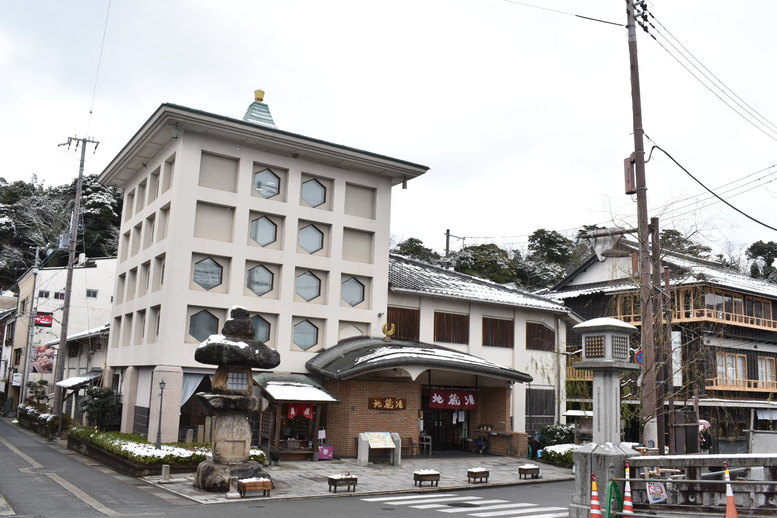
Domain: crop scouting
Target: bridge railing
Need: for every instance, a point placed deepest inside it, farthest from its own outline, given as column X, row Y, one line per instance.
column 694, row 483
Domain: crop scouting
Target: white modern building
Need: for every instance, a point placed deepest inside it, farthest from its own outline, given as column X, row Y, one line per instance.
column 220, row 212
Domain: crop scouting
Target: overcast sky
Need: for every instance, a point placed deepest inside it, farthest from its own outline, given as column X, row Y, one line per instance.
column 522, row 114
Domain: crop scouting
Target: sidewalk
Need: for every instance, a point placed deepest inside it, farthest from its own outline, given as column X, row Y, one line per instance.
column 302, row 479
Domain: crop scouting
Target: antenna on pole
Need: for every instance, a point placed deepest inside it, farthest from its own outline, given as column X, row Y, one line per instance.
column 59, row 392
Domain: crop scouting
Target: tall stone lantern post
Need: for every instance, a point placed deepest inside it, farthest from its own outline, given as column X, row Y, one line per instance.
column 606, row 352
column 235, row 352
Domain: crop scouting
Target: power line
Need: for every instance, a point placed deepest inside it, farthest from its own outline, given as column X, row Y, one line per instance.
column 747, row 113
column 711, row 191
column 557, row 11
column 725, row 87
column 99, row 63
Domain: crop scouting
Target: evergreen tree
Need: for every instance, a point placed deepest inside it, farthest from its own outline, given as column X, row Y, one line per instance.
column 414, row 248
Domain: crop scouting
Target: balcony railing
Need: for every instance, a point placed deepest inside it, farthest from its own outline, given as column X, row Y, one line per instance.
column 741, row 384
column 707, row 314
column 574, row 374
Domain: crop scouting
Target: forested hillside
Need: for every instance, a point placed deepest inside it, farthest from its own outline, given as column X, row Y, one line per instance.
column 35, row 215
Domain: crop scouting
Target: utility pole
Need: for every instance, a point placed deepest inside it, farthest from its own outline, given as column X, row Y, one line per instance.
column 648, row 400
column 59, row 392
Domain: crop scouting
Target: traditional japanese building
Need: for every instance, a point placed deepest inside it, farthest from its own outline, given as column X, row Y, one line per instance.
column 723, row 344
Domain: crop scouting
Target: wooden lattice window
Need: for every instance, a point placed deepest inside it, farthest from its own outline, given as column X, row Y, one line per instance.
column 451, row 328
column 498, row 332
column 407, row 322
column 540, row 337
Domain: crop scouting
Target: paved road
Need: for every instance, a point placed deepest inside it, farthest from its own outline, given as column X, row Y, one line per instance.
column 38, row 478
column 548, row 500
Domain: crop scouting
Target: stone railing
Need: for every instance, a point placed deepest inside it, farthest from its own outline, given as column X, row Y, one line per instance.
column 694, row 483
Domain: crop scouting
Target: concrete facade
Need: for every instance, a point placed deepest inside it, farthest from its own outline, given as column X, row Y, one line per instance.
column 197, row 209
column 41, row 291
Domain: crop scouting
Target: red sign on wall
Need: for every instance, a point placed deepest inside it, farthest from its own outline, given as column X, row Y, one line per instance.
column 44, row 319
column 453, row 399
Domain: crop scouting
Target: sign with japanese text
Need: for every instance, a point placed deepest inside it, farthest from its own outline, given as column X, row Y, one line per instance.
column 380, row 440
column 387, row 403
column 453, row 399
column 44, row 319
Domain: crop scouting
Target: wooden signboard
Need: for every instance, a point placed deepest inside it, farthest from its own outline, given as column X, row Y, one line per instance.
column 386, row 403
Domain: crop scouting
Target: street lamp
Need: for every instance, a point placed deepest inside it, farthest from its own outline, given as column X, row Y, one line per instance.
column 159, row 426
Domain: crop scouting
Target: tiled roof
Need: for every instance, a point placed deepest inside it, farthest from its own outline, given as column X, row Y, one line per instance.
column 350, row 358
column 686, row 271
column 411, row 276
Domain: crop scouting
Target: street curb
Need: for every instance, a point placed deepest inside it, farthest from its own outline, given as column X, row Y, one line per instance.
column 430, row 490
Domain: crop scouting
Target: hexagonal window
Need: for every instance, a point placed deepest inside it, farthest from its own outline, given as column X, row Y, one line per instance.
column 267, row 183
column 263, row 231
column 207, row 273
column 308, row 286
column 260, row 280
column 305, row 335
column 314, row 193
column 353, row 291
column 203, row 324
column 261, row 329
column 311, row 239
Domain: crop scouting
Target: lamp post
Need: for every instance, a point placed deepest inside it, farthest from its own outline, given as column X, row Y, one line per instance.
column 159, row 426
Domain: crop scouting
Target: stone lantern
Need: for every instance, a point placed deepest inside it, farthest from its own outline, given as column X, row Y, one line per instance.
column 235, row 352
column 606, row 352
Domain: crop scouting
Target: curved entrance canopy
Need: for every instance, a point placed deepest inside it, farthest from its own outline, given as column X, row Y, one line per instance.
column 365, row 355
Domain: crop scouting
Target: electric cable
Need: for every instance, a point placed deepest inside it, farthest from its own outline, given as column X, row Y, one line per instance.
column 711, row 191
column 99, row 63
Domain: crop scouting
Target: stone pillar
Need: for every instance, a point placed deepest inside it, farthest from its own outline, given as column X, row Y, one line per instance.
column 607, row 462
column 171, row 402
column 129, row 392
column 607, row 402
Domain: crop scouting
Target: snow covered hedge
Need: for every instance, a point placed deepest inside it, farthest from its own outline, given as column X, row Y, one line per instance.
column 35, row 417
column 136, row 448
column 560, row 454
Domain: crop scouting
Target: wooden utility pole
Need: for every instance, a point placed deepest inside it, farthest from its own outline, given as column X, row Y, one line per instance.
column 648, row 399
column 59, row 392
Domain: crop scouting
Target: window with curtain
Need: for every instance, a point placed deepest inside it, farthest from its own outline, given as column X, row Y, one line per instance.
column 732, row 368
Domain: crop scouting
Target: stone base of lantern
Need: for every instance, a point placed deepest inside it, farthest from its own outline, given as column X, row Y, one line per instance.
column 214, row 477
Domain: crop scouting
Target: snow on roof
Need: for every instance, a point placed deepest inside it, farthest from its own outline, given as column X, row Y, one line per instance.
column 389, row 352
column 604, row 322
column 686, row 271
column 89, row 333
column 408, row 275
column 79, row 380
column 286, row 391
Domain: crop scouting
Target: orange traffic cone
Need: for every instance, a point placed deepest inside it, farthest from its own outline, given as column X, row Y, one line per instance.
column 628, row 504
column 596, row 508
column 731, row 510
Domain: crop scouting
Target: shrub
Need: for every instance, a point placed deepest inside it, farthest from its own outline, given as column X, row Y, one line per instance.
column 102, row 407
column 556, row 434
column 559, row 454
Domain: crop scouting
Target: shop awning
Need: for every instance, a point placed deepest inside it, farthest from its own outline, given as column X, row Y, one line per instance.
column 363, row 355
column 293, row 387
column 76, row 382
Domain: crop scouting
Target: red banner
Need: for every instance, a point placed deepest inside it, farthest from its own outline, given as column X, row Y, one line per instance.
column 453, row 399
column 303, row 409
